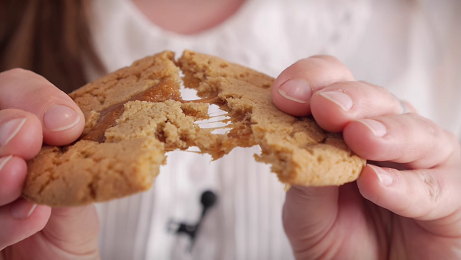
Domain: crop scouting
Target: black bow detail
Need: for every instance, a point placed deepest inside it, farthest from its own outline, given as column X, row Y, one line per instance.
column 208, row 200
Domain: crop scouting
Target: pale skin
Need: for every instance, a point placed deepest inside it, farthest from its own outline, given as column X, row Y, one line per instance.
column 407, row 210
column 38, row 111
column 405, row 205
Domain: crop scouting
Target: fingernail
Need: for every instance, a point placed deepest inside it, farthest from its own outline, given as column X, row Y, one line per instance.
column 384, row 176
column 296, row 90
column 339, row 98
column 376, row 127
column 4, row 160
column 59, row 118
column 22, row 209
column 9, row 130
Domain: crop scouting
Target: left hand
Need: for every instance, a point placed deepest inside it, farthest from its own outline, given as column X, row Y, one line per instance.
column 406, row 204
column 29, row 231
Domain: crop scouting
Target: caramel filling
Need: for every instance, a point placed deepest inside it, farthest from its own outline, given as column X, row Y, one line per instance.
column 165, row 90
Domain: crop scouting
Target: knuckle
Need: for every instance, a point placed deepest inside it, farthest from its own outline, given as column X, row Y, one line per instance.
column 384, row 91
column 378, row 88
column 432, row 186
column 350, row 87
column 375, row 90
column 428, row 126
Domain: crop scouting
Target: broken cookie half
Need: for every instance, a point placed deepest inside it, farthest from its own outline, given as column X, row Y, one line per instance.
column 136, row 114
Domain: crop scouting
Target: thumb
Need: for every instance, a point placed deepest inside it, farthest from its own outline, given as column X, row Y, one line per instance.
column 74, row 230
column 308, row 213
column 61, row 118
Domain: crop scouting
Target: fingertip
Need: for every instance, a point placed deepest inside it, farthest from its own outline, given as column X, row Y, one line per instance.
column 41, row 214
column 375, row 184
column 27, row 143
column 294, row 87
column 24, row 210
column 21, row 219
column 63, row 124
column 369, row 138
column 292, row 97
column 59, row 118
column 20, row 133
column 327, row 113
column 13, row 172
column 367, row 182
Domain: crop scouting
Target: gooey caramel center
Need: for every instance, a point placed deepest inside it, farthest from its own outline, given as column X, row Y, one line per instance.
column 165, row 90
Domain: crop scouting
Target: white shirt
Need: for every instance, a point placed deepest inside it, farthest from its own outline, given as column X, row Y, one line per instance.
column 409, row 47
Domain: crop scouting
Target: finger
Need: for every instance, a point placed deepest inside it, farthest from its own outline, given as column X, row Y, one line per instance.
column 409, row 138
column 21, row 219
column 294, row 87
column 20, row 133
column 61, row 118
column 339, row 103
column 12, row 176
column 425, row 195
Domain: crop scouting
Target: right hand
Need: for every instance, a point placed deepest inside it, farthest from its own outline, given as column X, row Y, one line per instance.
column 32, row 112
column 405, row 203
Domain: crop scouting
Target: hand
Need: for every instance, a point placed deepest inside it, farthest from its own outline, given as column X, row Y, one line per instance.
column 32, row 110
column 406, row 204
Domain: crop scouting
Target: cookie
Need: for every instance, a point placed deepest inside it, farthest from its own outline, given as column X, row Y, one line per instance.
column 137, row 114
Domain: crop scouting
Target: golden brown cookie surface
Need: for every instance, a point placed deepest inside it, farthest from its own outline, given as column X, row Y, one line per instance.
column 136, row 114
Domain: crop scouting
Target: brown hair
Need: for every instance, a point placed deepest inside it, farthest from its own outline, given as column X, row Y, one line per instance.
column 49, row 37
